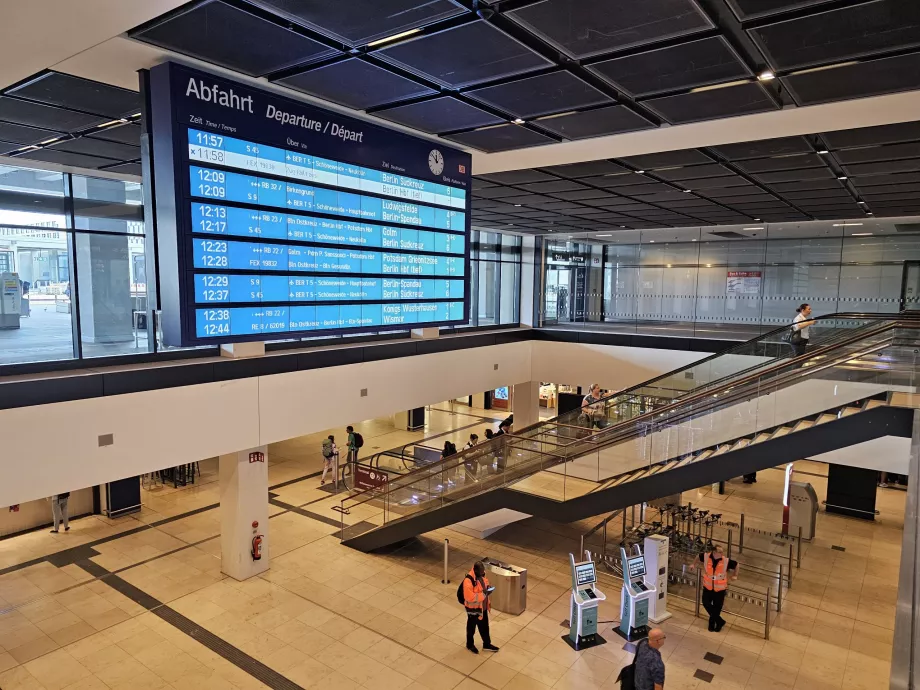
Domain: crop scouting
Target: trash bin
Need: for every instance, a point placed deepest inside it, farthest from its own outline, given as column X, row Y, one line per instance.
column 510, row 582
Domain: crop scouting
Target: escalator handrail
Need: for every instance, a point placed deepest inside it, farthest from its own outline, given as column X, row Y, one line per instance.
column 607, row 436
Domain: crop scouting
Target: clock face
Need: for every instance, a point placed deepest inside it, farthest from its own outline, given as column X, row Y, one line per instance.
column 436, row 162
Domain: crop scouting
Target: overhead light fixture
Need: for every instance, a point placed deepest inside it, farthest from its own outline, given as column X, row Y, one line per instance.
column 823, row 152
column 394, row 37
column 869, row 213
column 753, row 228
column 606, row 235
column 757, row 220
column 651, row 241
column 842, row 177
column 640, row 172
column 112, row 123
column 766, row 75
column 693, row 239
column 860, row 234
column 49, row 141
column 686, row 191
column 846, row 225
column 517, row 121
column 517, row 205
column 135, row 115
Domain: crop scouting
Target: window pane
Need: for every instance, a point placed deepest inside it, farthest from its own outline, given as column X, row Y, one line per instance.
column 510, row 293
column 488, row 277
column 108, row 205
column 35, row 316
column 112, row 296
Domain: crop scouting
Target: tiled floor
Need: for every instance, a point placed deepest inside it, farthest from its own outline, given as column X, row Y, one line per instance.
column 140, row 602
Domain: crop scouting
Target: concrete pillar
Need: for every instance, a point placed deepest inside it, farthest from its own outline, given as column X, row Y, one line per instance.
column 243, row 501
column 479, row 400
column 531, row 278
column 105, row 288
column 525, row 401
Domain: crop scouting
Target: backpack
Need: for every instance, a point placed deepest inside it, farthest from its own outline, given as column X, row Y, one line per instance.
column 359, row 440
column 327, row 448
column 460, row 596
column 627, row 677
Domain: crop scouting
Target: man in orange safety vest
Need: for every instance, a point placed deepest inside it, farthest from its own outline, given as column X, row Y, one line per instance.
column 476, row 592
column 715, row 583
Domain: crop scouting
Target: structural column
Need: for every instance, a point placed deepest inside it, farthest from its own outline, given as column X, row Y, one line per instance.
column 244, row 512
column 525, row 402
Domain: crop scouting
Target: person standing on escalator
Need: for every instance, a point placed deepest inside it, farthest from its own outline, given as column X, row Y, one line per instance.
column 801, row 325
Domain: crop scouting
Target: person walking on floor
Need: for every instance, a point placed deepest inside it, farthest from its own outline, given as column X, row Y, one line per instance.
column 330, row 459
column 59, row 511
column 715, row 583
column 355, row 441
column 476, row 601
column 649, row 669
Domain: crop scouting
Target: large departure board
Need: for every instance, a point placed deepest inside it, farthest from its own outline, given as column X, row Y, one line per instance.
column 280, row 219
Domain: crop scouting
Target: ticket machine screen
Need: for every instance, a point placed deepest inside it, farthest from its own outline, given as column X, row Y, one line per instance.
column 584, row 574
column 636, row 567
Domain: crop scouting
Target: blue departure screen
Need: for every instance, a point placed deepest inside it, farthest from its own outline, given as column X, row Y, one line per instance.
column 290, row 219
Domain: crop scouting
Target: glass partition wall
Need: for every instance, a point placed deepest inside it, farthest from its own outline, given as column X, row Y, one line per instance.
column 727, row 282
column 76, row 246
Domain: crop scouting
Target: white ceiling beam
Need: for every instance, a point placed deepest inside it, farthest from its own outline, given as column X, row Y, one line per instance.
column 864, row 112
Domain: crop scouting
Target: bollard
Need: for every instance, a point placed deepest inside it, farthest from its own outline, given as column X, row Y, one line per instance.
column 789, row 571
column 741, row 536
column 624, row 523
column 581, row 545
column 779, row 591
column 445, row 581
column 798, row 555
column 729, row 549
column 766, row 616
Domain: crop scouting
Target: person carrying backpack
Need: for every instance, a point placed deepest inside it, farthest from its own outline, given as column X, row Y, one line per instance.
column 646, row 672
column 355, row 441
column 473, row 593
column 330, row 458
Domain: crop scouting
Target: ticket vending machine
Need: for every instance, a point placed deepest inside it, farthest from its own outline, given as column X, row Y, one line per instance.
column 802, row 510
column 10, row 301
column 585, row 600
column 635, row 596
column 656, row 565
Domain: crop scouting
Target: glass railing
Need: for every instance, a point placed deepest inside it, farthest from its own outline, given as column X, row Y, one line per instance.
column 751, row 387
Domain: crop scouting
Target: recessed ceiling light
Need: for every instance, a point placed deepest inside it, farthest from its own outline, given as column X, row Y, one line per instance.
column 823, row 152
column 605, row 235
column 49, row 141
column 693, row 240
column 846, row 225
column 640, row 172
column 766, row 75
column 753, row 228
column 517, row 121
column 686, row 191
column 842, row 177
column 394, row 37
column 869, row 213
column 518, row 205
column 860, row 234
column 651, row 241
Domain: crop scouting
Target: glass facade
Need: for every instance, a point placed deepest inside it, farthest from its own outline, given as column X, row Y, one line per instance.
column 695, row 282
column 76, row 244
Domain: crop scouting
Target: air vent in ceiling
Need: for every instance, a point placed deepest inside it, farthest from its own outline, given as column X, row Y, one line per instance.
column 907, row 227
column 729, row 235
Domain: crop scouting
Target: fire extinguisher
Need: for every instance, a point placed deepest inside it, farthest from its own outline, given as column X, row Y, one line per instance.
column 256, row 543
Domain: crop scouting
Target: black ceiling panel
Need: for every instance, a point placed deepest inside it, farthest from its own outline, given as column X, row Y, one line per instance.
column 224, row 35
column 464, row 55
column 872, row 136
column 444, row 114
column 740, row 99
column 98, row 147
column 841, row 34
column 500, row 138
column 838, row 193
column 879, row 153
column 728, row 192
column 540, row 95
column 495, row 193
column 764, row 148
column 63, row 158
column 594, row 123
column 581, row 29
column 517, row 177
column 748, row 9
column 684, row 66
column 20, row 134
column 795, row 175
column 720, row 182
column 904, row 192
column 125, row 168
column 660, row 196
column 907, row 165
column 67, row 91
column 576, row 170
column 880, row 180
column 356, row 83
column 580, row 195
column 856, row 80
column 359, row 22
column 124, row 134
column 668, row 159
column 45, row 116
column 691, row 172
column 805, row 184
column 553, row 186
column 622, row 180
column 8, row 147
column 793, row 162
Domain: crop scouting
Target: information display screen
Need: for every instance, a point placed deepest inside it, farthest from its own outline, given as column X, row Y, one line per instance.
column 585, row 574
column 278, row 219
column 636, row 567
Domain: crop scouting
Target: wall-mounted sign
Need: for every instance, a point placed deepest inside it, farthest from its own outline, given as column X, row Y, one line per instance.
column 743, row 283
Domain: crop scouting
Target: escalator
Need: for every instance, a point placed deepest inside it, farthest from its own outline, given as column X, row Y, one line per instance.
column 748, row 408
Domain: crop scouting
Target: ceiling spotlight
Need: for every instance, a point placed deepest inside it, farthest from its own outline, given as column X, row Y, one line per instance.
column 757, row 220
column 766, row 75
column 862, row 203
column 846, row 225
column 640, row 172
column 842, row 177
column 686, row 191
column 394, row 37
column 517, row 205
column 823, row 152
column 517, row 121
column 753, row 228
column 860, row 234
column 869, row 213
column 651, row 241
column 607, row 235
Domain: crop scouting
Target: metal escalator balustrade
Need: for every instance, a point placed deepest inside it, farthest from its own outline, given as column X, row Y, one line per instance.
column 519, row 458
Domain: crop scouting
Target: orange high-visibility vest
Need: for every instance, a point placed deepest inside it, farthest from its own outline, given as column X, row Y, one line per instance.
column 715, row 578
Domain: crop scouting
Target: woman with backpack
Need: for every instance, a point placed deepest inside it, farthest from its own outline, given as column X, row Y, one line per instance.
column 330, row 458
